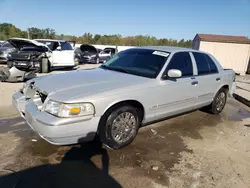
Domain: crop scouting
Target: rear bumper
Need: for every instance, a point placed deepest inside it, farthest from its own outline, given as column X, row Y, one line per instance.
column 57, row 131
column 232, row 89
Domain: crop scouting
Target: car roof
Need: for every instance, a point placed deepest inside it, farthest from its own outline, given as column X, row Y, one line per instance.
column 170, row 49
column 53, row 40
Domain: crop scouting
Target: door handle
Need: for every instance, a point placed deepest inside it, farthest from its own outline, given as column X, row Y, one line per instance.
column 194, row 83
column 217, row 79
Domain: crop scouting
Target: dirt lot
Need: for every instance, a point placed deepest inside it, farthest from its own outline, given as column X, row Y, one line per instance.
column 193, row 150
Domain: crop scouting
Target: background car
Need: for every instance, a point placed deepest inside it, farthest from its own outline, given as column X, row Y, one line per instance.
column 87, row 54
column 106, row 54
column 5, row 49
column 1, row 43
column 42, row 54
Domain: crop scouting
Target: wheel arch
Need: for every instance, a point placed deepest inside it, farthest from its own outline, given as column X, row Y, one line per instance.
column 132, row 102
column 225, row 86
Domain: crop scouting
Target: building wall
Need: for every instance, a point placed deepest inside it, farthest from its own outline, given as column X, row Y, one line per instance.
column 230, row 55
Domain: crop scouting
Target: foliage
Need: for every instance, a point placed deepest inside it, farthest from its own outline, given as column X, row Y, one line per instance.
column 8, row 30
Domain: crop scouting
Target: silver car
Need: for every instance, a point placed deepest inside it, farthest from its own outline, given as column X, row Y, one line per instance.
column 137, row 86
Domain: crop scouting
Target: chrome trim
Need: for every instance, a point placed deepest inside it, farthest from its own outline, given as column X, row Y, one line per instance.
column 172, row 103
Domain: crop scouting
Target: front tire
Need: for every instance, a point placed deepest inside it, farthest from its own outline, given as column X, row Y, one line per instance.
column 97, row 60
column 119, row 126
column 45, row 66
column 219, row 101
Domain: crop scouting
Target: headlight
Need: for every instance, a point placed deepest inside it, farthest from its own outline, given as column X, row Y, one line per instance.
column 52, row 107
column 69, row 110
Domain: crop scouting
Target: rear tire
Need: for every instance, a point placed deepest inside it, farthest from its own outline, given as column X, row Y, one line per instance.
column 119, row 126
column 219, row 101
column 44, row 66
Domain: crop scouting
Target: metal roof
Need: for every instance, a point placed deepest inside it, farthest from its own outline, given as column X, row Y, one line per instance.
column 223, row 38
column 168, row 48
column 53, row 40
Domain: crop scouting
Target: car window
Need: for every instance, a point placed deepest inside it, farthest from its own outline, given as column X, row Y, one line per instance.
column 205, row 65
column 181, row 61
column 106, row 51
column 51, row 44
column 141, row 62
column 66, row 46
column 212, row 66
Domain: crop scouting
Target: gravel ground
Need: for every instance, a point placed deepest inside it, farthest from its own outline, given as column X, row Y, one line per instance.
column 192, row 150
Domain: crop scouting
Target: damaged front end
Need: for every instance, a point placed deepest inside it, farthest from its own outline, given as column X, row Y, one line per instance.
column 28, row 59
column 15, row 75
column 25, row 62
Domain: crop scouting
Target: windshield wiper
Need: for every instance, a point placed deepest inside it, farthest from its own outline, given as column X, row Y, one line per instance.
column 105, row 66
column 120, row 69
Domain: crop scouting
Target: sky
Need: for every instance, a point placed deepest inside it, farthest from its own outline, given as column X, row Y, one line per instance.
column 174, row 19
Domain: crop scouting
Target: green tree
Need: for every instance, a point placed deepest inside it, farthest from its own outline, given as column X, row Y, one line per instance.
column 8, row 30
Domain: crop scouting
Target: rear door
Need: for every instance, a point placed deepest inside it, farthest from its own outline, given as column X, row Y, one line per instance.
column 208, row 78
column 64, row 56
column 177, row 95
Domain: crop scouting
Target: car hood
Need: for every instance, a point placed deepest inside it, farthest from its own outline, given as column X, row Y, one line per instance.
column 20, row 43
column 82, row 83
column 87, row 49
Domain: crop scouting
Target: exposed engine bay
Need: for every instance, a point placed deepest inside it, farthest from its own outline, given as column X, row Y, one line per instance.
column 15, row 75
column 28, row 59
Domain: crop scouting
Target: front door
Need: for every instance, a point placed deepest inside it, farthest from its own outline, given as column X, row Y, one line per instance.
column 177, row 95
column 64, row 56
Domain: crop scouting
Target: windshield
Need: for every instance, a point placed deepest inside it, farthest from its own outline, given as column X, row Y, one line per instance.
column 34, row 49
column 140, row 62
column 51, row 44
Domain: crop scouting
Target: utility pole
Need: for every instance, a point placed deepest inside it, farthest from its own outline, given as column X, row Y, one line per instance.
column 28, row 33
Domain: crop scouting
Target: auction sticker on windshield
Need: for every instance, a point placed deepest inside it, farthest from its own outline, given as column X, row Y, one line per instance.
column 165, row 54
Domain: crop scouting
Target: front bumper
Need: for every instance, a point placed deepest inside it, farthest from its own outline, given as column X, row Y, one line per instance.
column 57, row 131
column 87, row 60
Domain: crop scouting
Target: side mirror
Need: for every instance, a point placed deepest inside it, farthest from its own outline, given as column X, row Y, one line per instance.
column 174, row 73
column 59, row 48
